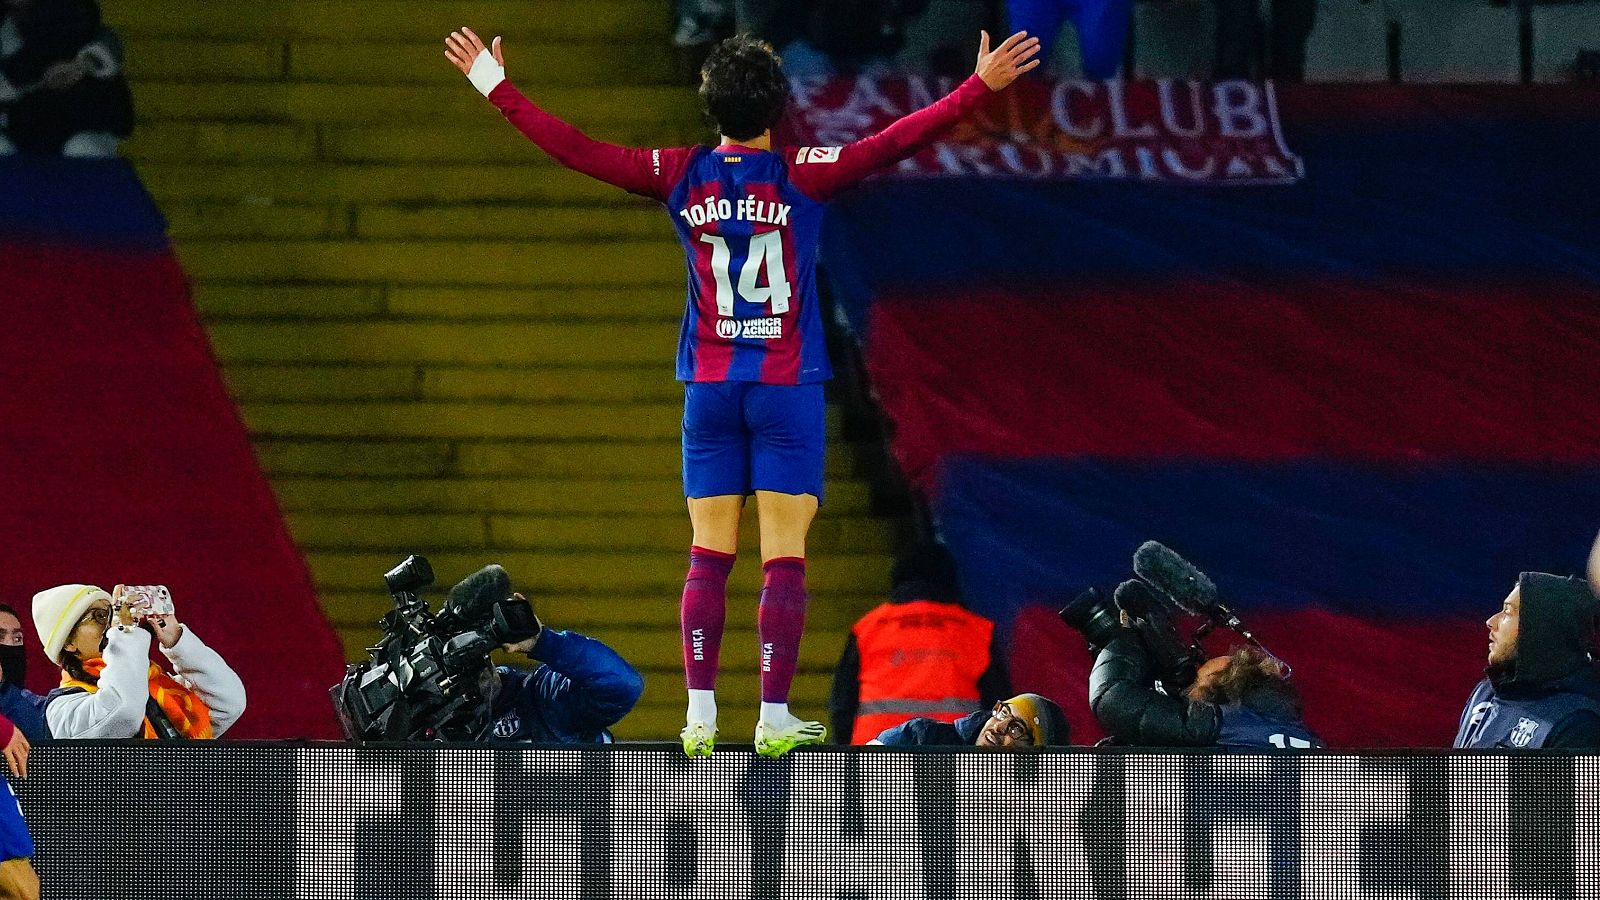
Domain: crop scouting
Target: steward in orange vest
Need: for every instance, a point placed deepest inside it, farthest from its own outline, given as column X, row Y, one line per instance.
column 921, row 655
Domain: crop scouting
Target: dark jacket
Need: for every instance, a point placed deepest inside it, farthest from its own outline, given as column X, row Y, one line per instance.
column 933, row 733
column 1123, row 697
column 26, row 710
column 1549, row 695
column 582, row 688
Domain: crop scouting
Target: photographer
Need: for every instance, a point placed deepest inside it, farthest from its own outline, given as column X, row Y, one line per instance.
column 580, row 689
column 1238, row 700
column 109, row 687
column 1025, row 722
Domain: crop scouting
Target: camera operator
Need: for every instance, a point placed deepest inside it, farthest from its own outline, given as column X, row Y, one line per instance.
column 110, row 689
column 579, row 690
column 1540, row 689
column 1238, row 700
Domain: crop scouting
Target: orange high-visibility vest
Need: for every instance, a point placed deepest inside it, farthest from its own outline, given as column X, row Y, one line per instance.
column 918, row 659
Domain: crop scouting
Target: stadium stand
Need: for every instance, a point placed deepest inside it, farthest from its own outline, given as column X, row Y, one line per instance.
column 122, row 456
column 1363, row 401
column 442, row 342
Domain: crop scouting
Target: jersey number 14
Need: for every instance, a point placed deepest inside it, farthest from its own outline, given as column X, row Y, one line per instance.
column 766, row 251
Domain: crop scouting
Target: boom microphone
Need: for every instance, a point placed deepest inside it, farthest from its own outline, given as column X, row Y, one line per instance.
column 1163, row 569
column 1176, row 577
column 479, row 591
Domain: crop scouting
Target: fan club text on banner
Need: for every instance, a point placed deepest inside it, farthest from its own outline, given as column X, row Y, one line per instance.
column 1225, row 132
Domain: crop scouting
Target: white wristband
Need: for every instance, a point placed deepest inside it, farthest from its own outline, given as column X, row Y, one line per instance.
column 486, row 74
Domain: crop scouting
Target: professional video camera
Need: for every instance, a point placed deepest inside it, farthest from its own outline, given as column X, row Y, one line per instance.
column 1166, row 598
column 429, row 677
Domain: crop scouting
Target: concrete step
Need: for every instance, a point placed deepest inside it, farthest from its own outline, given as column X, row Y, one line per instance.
column 553, row 496
column 201, row 58
column 625, row 572
column 430, row 262
column 263, row 58
column 468, row 420
column 488, row 141
column 438, row 458
column 449, row 343
column 445, row 99
column 439, row 419
column 251, row 382
column 522, row 22
column 489, row 534
column 257, row 142
column 188, row 222
column 656, row 303
column 604, row 614
column 310, row 184
column 465, row 222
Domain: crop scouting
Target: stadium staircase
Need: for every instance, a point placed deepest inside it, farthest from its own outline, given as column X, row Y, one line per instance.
column 440, row 341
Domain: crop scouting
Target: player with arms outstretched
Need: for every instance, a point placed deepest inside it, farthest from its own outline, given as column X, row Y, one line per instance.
column 751, row 352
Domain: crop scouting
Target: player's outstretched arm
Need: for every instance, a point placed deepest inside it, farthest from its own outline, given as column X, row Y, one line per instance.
column 639, row 171
column 996, row 70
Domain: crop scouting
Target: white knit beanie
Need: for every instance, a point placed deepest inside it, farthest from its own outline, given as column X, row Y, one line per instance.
column 56, row 613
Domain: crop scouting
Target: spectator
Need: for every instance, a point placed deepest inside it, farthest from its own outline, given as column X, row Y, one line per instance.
column 18, row 880
column 1102, row 29
column 1026, row 721
column 579, row 690
column 1540, row 688
column 18, row 704
column 1238, row 700
column 61, row 84
column 700, row 23
column 920, row 654
column 109, row 687
column 1240, row 33
column 815, row 37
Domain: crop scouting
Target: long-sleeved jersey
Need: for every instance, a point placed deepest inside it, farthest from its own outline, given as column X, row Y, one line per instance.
column 749, row 221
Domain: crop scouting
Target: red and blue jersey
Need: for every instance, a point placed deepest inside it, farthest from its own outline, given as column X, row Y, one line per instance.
column 750, row 243
column 749, row 221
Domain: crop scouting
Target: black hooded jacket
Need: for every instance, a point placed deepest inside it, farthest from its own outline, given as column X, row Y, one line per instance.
column 1549, row 696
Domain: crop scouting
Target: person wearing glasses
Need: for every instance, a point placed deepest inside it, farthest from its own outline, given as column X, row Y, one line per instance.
column 1025, row 722
column 110, row 689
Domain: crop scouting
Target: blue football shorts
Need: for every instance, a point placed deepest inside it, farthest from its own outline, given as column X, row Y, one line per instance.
column 742, row 436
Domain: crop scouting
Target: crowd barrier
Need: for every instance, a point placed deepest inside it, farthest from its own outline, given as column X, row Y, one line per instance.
column 120, row 820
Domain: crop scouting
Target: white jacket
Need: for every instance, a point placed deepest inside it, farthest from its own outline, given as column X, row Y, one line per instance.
column 117, row 709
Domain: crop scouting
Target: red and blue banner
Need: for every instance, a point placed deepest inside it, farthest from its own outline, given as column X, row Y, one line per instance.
column 1362, row 399
column 1172, row 131
column 122, row 458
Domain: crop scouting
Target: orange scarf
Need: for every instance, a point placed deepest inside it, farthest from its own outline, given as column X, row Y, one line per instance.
column 183, row 708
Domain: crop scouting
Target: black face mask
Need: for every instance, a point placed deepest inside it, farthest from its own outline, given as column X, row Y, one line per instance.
column 14, row 663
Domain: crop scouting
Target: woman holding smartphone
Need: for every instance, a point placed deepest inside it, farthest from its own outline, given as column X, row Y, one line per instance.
column 110, row 689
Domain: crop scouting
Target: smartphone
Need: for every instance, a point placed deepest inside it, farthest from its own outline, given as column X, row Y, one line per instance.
column 148, row 600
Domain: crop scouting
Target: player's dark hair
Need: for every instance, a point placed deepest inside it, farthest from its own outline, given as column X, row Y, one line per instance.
column 743, row 87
